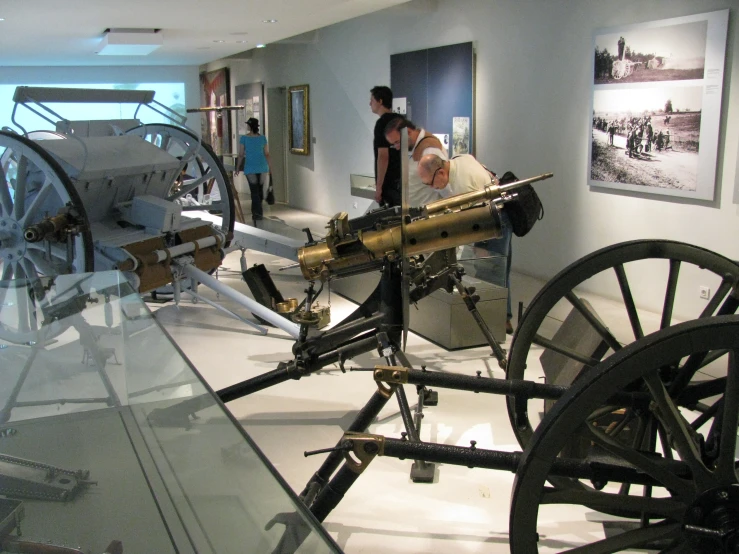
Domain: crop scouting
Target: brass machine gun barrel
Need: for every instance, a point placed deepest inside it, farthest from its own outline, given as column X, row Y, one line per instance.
column 448, row 223
column 490, row 192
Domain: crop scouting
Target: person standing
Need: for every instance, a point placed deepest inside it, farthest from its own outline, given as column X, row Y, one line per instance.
column 420, row 142
column 254, row 161
column 387, row 159
column 621, row 45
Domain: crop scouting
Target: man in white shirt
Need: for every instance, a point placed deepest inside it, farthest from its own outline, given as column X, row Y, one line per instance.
column 459, row 175
column 464, row 174
column 420, row 142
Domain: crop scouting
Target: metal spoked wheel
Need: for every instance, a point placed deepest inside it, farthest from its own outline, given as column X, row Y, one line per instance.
column 689, row 499
column 561, row 335
column 32, row 187
column 205, row 169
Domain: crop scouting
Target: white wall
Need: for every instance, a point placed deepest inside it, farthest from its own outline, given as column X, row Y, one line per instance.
column 114, row 74
column 533, row 99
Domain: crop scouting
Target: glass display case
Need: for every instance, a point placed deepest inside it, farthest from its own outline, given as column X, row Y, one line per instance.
column 110, row 441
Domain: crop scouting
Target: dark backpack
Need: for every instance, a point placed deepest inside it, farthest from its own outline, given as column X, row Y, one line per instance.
column 525, row 209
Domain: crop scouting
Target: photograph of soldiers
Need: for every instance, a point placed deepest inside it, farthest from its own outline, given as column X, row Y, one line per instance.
column 634, row 143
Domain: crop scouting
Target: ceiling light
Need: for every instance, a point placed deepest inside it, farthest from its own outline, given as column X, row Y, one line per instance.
column 269, row 21
column 242, row 41
column 260, row 45
column 2, row 19
column 219, row 41
column 130, row 42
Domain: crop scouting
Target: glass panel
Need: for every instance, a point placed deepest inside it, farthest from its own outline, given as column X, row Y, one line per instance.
column 118, row 437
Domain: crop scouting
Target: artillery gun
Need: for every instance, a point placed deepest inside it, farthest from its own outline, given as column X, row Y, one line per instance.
column 112, row 195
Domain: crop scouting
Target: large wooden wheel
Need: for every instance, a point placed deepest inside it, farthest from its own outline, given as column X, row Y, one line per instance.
column 683, row 440
column 203, row 166
column 33, row 186
column 670, row 267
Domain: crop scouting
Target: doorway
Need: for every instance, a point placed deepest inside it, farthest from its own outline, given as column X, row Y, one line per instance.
column 277, row 132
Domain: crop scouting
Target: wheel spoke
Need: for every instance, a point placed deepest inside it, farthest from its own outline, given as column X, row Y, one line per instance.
column 628, row 298
column 702, row 390
column 651, row 466
column 33, row 277
column 565, row 351
column 166, row 142
column 670, row 294
column 727, row 284
column 670, row 416
column 45, row 266
column 22, row 304
column 725, row 470
column 630, row 539
column 21, row 178
column 36, row 204
column 707, row 415
column 189, row 187
column 57, row 251
column 605, row 502
column 591, row 318
column 6, row 202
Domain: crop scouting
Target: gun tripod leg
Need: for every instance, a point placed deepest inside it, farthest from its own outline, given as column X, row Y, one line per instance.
column 471, row 304
column 421, row 471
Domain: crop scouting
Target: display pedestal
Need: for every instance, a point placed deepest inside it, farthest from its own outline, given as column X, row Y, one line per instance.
column 441, row 317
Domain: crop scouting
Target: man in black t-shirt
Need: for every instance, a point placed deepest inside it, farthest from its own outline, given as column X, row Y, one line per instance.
column 387, row 159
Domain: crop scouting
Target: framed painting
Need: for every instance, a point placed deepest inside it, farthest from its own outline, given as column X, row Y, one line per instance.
column 656, row 105
column 299, row 119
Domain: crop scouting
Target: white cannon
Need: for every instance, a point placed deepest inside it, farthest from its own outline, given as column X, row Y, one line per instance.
column 103, row 195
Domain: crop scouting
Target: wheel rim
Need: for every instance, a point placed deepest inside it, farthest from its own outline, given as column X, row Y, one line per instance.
column 33, row 186
column 707, row 499
column 668, row 257
column 181, row 142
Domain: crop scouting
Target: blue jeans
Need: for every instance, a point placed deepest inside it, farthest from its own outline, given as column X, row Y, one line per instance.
column 497, row 268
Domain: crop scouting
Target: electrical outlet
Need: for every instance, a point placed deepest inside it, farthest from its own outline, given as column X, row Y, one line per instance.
column 705, row 292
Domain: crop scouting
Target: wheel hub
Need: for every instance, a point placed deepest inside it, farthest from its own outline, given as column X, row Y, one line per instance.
column 711, row 524
column 12, row 243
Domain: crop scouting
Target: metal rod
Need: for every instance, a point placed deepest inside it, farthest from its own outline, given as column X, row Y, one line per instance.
column 510, row 387
column 217, row 306
column 252, row 305
column 509, row 461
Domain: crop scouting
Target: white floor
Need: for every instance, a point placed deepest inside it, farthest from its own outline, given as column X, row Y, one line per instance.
column 464, row 510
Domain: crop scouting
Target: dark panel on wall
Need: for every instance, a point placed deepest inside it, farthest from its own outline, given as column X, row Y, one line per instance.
column 409, row 79
column 438, row 83
column 449, row 87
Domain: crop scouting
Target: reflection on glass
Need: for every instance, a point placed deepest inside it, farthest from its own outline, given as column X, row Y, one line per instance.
column 93, row 393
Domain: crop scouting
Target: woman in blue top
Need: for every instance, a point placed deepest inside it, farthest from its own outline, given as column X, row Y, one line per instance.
column 254, row 161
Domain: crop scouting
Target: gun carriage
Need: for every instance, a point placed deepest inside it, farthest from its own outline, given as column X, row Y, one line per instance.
column 641, row 427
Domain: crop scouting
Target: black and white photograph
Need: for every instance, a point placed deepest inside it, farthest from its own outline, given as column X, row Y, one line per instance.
column 670, row 53
column 647, row 137
column 656, row 105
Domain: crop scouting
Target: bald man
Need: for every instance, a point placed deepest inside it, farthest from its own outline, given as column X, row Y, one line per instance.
column 464, row 174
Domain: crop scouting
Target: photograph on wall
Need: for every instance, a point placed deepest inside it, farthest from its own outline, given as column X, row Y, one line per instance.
column 647, row 137
column 669, row 53
column 460, row 136
column 656, row 106
column 299, row 120
column 214, row 92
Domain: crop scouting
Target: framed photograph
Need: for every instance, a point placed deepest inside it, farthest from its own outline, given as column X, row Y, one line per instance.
column 656, row 105
column 215, row 128
column 299, row 119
